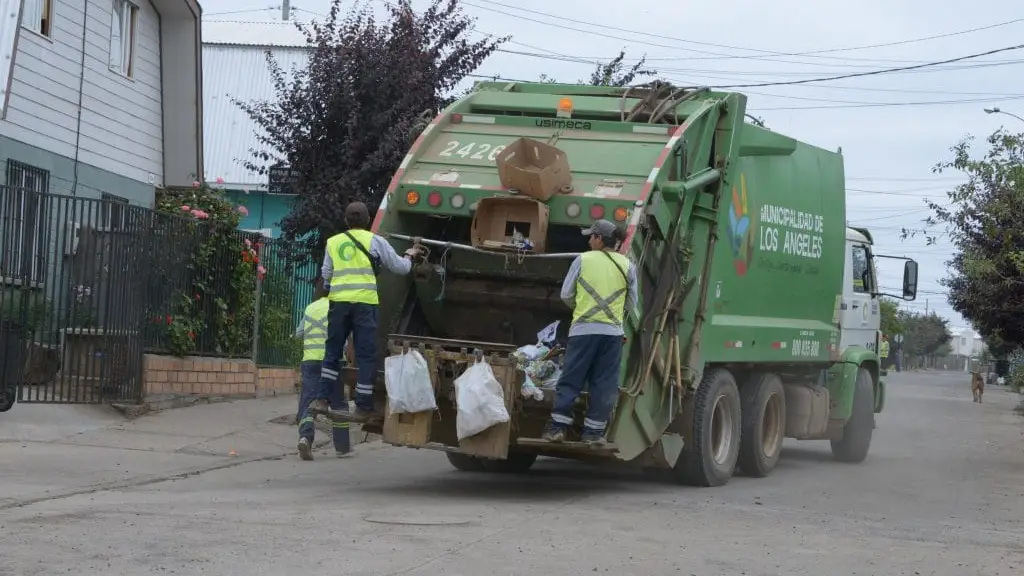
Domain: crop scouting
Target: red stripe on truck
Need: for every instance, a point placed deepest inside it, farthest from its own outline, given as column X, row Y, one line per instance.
column 393, row 185
column 645, row 192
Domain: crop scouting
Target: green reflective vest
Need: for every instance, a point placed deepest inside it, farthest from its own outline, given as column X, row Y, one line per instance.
column 353, row 279
column 601, row 288
column 314, row 330
column 883, row 349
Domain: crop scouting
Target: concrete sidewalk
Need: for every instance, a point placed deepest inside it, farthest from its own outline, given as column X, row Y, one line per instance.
column 55, row 451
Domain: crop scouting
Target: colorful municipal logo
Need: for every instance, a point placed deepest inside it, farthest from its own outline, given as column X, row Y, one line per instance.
column 741, row 227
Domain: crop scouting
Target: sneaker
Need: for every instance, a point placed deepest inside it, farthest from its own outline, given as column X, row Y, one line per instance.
column 305, row 449
column 554, row 435
column 593, row 438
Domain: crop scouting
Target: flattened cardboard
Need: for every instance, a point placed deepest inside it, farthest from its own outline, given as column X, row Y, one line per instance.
column 534, row 168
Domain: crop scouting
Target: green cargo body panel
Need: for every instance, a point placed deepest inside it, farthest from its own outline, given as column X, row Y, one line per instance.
column 762, row 228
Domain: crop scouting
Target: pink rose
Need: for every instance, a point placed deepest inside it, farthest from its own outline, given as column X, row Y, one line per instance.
column 243, row 210
column 220, row 180
column 261, row 270
column 248, row 243
column 202, row 215
column 185, row 208
column 195, row 183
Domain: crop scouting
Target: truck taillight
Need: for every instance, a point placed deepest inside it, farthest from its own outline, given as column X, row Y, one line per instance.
column 572, row 210
column 434, row 199
column 597, row 211
column 620, row 214
column 458, row 201
column 412, row 197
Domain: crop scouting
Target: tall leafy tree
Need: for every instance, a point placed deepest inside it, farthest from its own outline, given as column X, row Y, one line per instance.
column 984, row 220
column 346, row 120
column 924, row 335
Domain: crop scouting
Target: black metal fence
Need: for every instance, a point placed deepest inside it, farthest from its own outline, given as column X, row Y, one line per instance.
column 87, row 286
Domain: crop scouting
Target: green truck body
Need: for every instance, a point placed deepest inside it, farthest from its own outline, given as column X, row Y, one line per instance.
column 744, row 331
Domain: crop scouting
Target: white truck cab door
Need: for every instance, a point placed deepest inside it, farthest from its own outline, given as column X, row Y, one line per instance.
column 860, row 316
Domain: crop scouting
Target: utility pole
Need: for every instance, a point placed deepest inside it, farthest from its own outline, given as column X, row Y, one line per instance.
column 286, row 8
column 925, row 306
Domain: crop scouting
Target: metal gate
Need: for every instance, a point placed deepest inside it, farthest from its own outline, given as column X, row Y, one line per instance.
column 71, row 295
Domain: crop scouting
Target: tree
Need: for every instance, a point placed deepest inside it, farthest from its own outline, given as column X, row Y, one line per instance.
column 891, row 324
column 924, row 335
column 984, row 220
column 345, row 121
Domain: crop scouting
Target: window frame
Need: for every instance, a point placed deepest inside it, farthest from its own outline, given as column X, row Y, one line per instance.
column 114, row 215
column 26, row 203
column 868, row 284
column 45, row 23
column 127, row 45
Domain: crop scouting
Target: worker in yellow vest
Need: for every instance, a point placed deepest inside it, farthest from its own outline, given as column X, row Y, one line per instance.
column 600, row 287
column 313, row 331
column 883, row 350
column 352, row 260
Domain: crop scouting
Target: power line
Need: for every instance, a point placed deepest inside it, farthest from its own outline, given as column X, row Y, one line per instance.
column 719, row 56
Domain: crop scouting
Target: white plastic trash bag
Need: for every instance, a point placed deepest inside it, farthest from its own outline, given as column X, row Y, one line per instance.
column 407, row 378
column 480, row 400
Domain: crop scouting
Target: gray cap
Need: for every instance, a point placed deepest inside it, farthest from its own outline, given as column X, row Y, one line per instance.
column 602, row 228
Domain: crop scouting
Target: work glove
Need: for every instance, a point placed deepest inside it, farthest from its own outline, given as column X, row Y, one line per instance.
column 413, row 252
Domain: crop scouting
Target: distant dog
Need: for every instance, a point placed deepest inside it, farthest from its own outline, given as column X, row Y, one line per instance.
column 977, row 386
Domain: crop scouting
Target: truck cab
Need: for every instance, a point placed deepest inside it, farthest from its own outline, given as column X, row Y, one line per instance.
column 860, row 315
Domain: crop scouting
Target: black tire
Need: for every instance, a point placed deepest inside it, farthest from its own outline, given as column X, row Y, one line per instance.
column 465, row 462
column 763, row 423
column 710, row 458
column 853, row 447
column 517, row 463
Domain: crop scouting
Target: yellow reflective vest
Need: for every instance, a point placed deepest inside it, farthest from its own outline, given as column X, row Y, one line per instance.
column 353, row 279
column 601, row 288
column 883, row 349
column 314, row 330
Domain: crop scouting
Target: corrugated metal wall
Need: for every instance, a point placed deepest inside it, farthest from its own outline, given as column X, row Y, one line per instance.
column 9, row 19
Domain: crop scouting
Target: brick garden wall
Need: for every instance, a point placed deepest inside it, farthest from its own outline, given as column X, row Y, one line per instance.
column 197, row 376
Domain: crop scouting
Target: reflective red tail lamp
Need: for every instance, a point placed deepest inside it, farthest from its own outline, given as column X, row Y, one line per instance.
column 434, row 199
column 597, row 211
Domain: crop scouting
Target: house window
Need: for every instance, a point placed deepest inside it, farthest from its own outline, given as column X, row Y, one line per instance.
column 37, row 16
column 22, row 204
column 114, row 214
column 123, row 20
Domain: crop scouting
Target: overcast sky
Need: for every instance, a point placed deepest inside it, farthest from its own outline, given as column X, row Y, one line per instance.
column 890, row 140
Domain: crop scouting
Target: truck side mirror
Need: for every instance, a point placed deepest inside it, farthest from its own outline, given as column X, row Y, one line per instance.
column 910, row 280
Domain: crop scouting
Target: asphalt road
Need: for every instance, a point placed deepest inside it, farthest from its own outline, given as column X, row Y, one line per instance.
column 942, row 492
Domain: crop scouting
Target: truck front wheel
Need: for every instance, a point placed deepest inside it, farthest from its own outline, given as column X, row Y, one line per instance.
column 853, row 447
column 763, row 413
column 714, row 440
column 465, row 462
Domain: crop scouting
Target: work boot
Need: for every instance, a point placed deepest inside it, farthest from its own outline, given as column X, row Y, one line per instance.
column 343, row 454
column 593, row 437
column 553, row 434
column 363, row 416
column 305, row 449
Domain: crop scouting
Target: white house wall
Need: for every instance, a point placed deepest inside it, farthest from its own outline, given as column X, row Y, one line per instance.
column 121, row 124
column 237, row 71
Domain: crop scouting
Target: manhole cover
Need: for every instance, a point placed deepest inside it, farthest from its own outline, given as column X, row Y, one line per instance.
column 418, row 521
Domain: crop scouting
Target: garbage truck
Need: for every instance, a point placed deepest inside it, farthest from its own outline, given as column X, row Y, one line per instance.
column 758, row 313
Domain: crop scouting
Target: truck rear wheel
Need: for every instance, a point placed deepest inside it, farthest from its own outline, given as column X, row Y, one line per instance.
column 465, row 462
column 714, row 440
column 517, row 463
column 856, row 441
column 763, row 417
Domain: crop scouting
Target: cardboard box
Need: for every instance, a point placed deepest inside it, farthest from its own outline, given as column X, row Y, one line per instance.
column 534, row 168
column 499, row 222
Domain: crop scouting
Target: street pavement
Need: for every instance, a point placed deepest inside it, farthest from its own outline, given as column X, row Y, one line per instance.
column 216, row 489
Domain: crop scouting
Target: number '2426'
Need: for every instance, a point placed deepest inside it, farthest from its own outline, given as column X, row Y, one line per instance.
column 471, row 150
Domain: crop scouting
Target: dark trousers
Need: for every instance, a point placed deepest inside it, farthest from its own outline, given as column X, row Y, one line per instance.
column 359, row 321
column 594, row 359
column 310, row 370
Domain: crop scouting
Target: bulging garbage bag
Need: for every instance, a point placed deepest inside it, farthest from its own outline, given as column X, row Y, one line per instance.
column 480, row 400
column 407, row 378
